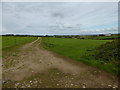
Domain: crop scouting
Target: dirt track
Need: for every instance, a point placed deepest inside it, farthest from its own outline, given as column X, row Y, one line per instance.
column 33, row 66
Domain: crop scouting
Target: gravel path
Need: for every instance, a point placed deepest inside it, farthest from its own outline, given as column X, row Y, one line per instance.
column 31, row 66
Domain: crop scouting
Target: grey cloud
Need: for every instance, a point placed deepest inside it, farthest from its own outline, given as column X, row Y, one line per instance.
column 55, row 18
column 103, row 31
column 57, row 14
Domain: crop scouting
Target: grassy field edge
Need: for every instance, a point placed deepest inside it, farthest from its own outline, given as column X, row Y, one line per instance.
column 92, row 62
column 13, row 42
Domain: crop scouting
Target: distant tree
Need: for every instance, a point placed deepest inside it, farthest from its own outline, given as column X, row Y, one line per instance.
column 46, row 35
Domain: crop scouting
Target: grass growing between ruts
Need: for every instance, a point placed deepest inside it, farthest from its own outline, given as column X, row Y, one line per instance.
column 79, row 49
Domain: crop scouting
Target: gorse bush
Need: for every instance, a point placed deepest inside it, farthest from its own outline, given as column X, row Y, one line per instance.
column 108, row 52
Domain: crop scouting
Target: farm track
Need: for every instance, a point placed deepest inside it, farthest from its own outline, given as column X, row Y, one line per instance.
column 33, row 66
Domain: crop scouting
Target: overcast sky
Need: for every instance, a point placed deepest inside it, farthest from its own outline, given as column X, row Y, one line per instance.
column 59, row 17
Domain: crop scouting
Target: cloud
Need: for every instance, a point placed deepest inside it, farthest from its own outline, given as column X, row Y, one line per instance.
column 0, row 18
column 113, row 30
column 60, row 0
column 57, row 15
column 59, row 18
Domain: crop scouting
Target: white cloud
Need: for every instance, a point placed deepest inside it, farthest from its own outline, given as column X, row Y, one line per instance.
column 58, row 18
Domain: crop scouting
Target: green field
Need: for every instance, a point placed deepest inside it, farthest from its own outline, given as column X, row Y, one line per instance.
column 12, row 41
column 104, row 37
column 98, row 53
column 79, row 49
column 96, row 37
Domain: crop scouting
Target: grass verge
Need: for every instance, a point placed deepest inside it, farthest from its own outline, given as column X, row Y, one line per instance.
column 13, row 41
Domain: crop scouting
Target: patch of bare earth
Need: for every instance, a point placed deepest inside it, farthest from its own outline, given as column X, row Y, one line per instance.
column 32, row 66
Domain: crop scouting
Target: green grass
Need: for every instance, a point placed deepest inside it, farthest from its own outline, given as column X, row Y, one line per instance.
column 96, row 37
column 73, row 48
column 101, row 37
column 109, row 54
column 79, row 49
column 107, row 37
column 9, row 48
column 0, row 42
column 12, row 41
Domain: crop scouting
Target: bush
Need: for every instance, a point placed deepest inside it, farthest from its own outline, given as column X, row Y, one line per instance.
column 108, row 52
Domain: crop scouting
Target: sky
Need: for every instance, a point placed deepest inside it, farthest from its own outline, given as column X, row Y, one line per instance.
column 53, row 18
